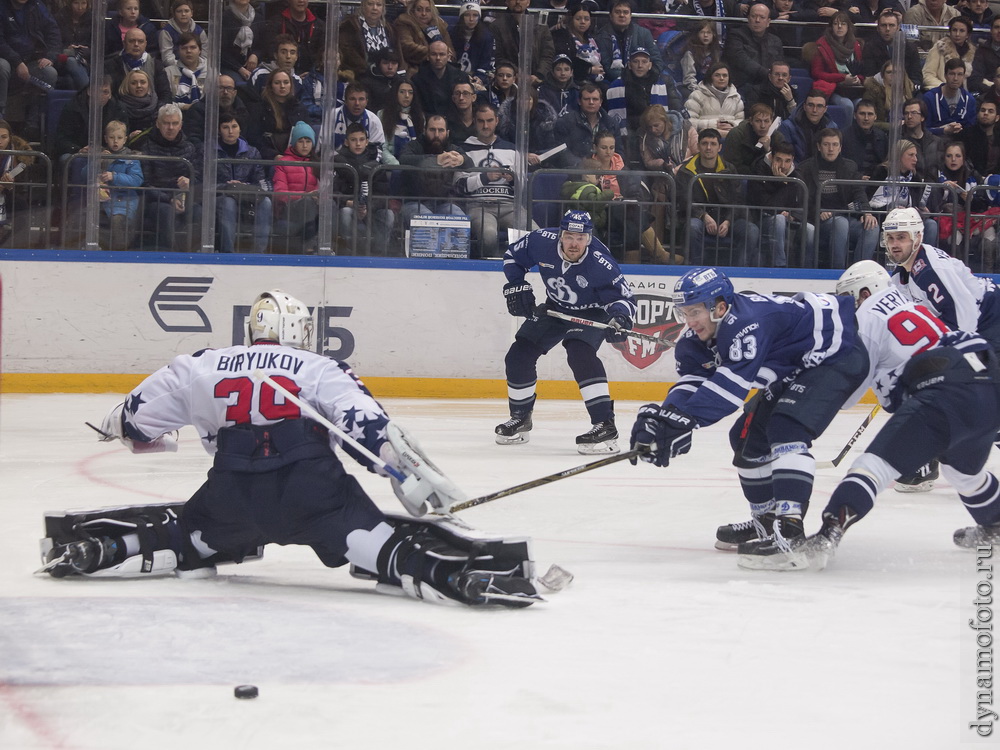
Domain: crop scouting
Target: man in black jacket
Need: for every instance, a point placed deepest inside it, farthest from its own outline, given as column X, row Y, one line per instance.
column 776, row 92
column 230, row 103
column 436, row 158
column 751, row 49
column 982, row 140
column 864, row 144
column 30, row 41
column 169, row 182
column 72, row 135
column 878, row 50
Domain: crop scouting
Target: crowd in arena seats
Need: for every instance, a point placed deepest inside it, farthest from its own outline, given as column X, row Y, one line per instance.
column 698, row 131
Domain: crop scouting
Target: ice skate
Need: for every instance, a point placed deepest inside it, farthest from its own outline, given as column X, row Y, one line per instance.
column 975, row 536
column 732, row 535
column 514, row 430
column 922, row 480
column 601, row 438
column 78, row 558
column 776, row 551
column 485, row 587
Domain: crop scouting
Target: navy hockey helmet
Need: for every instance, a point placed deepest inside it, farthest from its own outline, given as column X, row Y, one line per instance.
column 702, row 285
column 577, row 221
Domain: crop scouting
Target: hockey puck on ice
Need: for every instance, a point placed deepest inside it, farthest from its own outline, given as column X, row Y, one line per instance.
column 246, row 691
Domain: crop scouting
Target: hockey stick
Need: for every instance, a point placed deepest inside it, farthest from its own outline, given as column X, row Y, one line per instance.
column 398, row 475
column 548, row 479
column 850, row 443
column 595, row 324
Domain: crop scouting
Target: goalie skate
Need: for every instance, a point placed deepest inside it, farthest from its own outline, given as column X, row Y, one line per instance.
column 515, row 430
column 485, row 587
column 977, row 536
column 601, row 438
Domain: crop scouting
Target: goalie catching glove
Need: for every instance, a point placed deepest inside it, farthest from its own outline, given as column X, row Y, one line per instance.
column 425, row 484
column 665, row 431
column 113, row 428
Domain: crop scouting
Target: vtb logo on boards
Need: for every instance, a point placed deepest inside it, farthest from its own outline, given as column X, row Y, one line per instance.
column 655, row 317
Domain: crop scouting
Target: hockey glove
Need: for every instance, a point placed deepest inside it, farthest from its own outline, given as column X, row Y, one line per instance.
column 520, row 298
column 425, row 484
column 113, row 429
column 664, row 430
column 620, row 326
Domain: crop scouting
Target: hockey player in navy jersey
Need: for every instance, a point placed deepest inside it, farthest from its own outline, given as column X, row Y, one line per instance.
column 582, row 279
column 943, row 390
column 803, row 356
column 947, row 288
column 276, row 478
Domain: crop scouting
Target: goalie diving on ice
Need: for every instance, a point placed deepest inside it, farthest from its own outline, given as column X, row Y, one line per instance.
column 273, row 413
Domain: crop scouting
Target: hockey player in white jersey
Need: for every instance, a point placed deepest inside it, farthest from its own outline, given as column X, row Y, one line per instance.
column 943, row 390
column 944, row 285
column 277, row 478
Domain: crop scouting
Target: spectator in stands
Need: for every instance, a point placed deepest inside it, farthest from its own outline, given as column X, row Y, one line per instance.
column 229, row 104
column 72, row 134
column 625, row 224
column 559, row 89
column 715, row 103
column 864, row 144
column 244, row 190
column 283, row 55
column 801, row 130
column 355, row 110
column 979, row 12
column 950, row 107
column 958, row 175
column 836, row 65
column 636, row 89
column 365, row 217
column 868, row 12
column 929, row 146
column 749, row 141
column 382, row 77
column 473, row 44
column 776, row 92
column 169, row 182
column 541, row 126
column 709, row 9
column 506, row 32
column 431, row 189
column 993, row 94
column 930, row 13
column 840, row 228
column 296, row 193
column 121, row 21
column 958, row 44
column 751, row 49
column 577, row 129
column 30, row 43
column 490, row 194
column 900, row 192
column 181, row 21
column 665, row 140
column 712, row 218
column 620, row 37
column 119, row 198
column 461, row 119
column 242, row 40
column 701, row 51
column 416, row 29
column 133, row 56
column 879, row 91
column 364, row 33
column 575, row 39
column 187, row 75
column 305, row 28
column 141, row 105
column 74, row 20
column 271, row 118
column 16, row 170
column 436, row 79
column 986, row 61
column 504, row 83
column 878, row 50
column 402, row 118
column 982, row 140
column 779, row 201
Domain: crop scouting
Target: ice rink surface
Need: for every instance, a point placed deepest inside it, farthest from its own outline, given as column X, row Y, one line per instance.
column 660, row 642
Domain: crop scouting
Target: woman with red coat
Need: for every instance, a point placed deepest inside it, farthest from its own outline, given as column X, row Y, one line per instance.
column 837, row 61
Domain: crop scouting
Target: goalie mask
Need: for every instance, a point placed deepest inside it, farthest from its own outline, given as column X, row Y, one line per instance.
column 865, row 274
column 277, row 316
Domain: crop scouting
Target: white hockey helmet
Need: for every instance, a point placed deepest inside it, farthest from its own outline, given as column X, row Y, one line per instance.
column 865, row 274
column 903, row 220
column 278, row 316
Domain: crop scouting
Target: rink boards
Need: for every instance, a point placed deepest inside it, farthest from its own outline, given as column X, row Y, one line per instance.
column 92, row 321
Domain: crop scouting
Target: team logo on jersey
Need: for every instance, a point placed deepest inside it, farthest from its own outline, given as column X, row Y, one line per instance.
column 919, row 266
column 174, row 304
column 581, row 282
column 654, row 317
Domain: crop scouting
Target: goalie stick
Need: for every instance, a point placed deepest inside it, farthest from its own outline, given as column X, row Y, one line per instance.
column 595, row 324
column 548, row 479
column 850, row 443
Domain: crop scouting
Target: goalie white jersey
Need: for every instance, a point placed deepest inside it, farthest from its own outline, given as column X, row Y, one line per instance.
column 894, row 329
column 216, row 388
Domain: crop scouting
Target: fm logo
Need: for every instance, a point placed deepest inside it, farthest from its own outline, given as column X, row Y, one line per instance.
column 654, row 316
